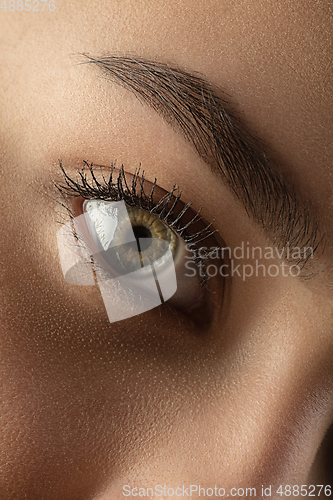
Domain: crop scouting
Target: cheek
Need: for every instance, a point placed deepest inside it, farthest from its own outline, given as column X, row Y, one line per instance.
column 81, row 403
column 90, row 406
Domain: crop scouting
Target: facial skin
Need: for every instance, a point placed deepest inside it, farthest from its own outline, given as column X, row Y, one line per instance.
column 88, row 406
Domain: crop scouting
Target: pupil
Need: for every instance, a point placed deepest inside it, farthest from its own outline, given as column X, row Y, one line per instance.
column 142, row 232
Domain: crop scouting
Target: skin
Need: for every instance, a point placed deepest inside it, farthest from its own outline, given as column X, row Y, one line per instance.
column 88, row 406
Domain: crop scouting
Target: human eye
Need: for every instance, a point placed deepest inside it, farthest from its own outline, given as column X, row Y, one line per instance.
column 134, row 236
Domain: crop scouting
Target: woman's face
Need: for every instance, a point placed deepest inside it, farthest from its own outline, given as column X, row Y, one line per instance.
column 89, row 405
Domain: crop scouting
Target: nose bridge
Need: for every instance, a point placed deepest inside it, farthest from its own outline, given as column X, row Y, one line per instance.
column 279, row 421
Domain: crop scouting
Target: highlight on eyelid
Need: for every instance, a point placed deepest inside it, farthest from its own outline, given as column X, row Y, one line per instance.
column 126, row 291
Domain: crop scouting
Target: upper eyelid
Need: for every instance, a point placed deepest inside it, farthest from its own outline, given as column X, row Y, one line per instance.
column 170, row 208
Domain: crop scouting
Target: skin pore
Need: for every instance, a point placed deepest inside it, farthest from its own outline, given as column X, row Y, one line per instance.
column 88, row 406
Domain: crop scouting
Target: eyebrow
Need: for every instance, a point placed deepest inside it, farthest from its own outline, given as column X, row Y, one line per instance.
column 191, row 104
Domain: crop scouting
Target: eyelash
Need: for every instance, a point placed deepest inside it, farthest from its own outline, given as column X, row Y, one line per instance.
column 134, row 195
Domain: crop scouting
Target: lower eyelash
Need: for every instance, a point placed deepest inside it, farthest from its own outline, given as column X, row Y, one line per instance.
column 135, row 195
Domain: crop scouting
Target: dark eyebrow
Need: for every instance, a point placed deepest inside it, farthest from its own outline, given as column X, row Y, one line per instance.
column 201, row 111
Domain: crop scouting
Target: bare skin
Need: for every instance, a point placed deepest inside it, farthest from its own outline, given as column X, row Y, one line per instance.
column 88, row 406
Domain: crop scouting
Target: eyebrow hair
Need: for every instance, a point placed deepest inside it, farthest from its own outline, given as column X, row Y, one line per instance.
column 201, row 111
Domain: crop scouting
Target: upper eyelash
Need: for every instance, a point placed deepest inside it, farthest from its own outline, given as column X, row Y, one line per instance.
column 134, row 195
